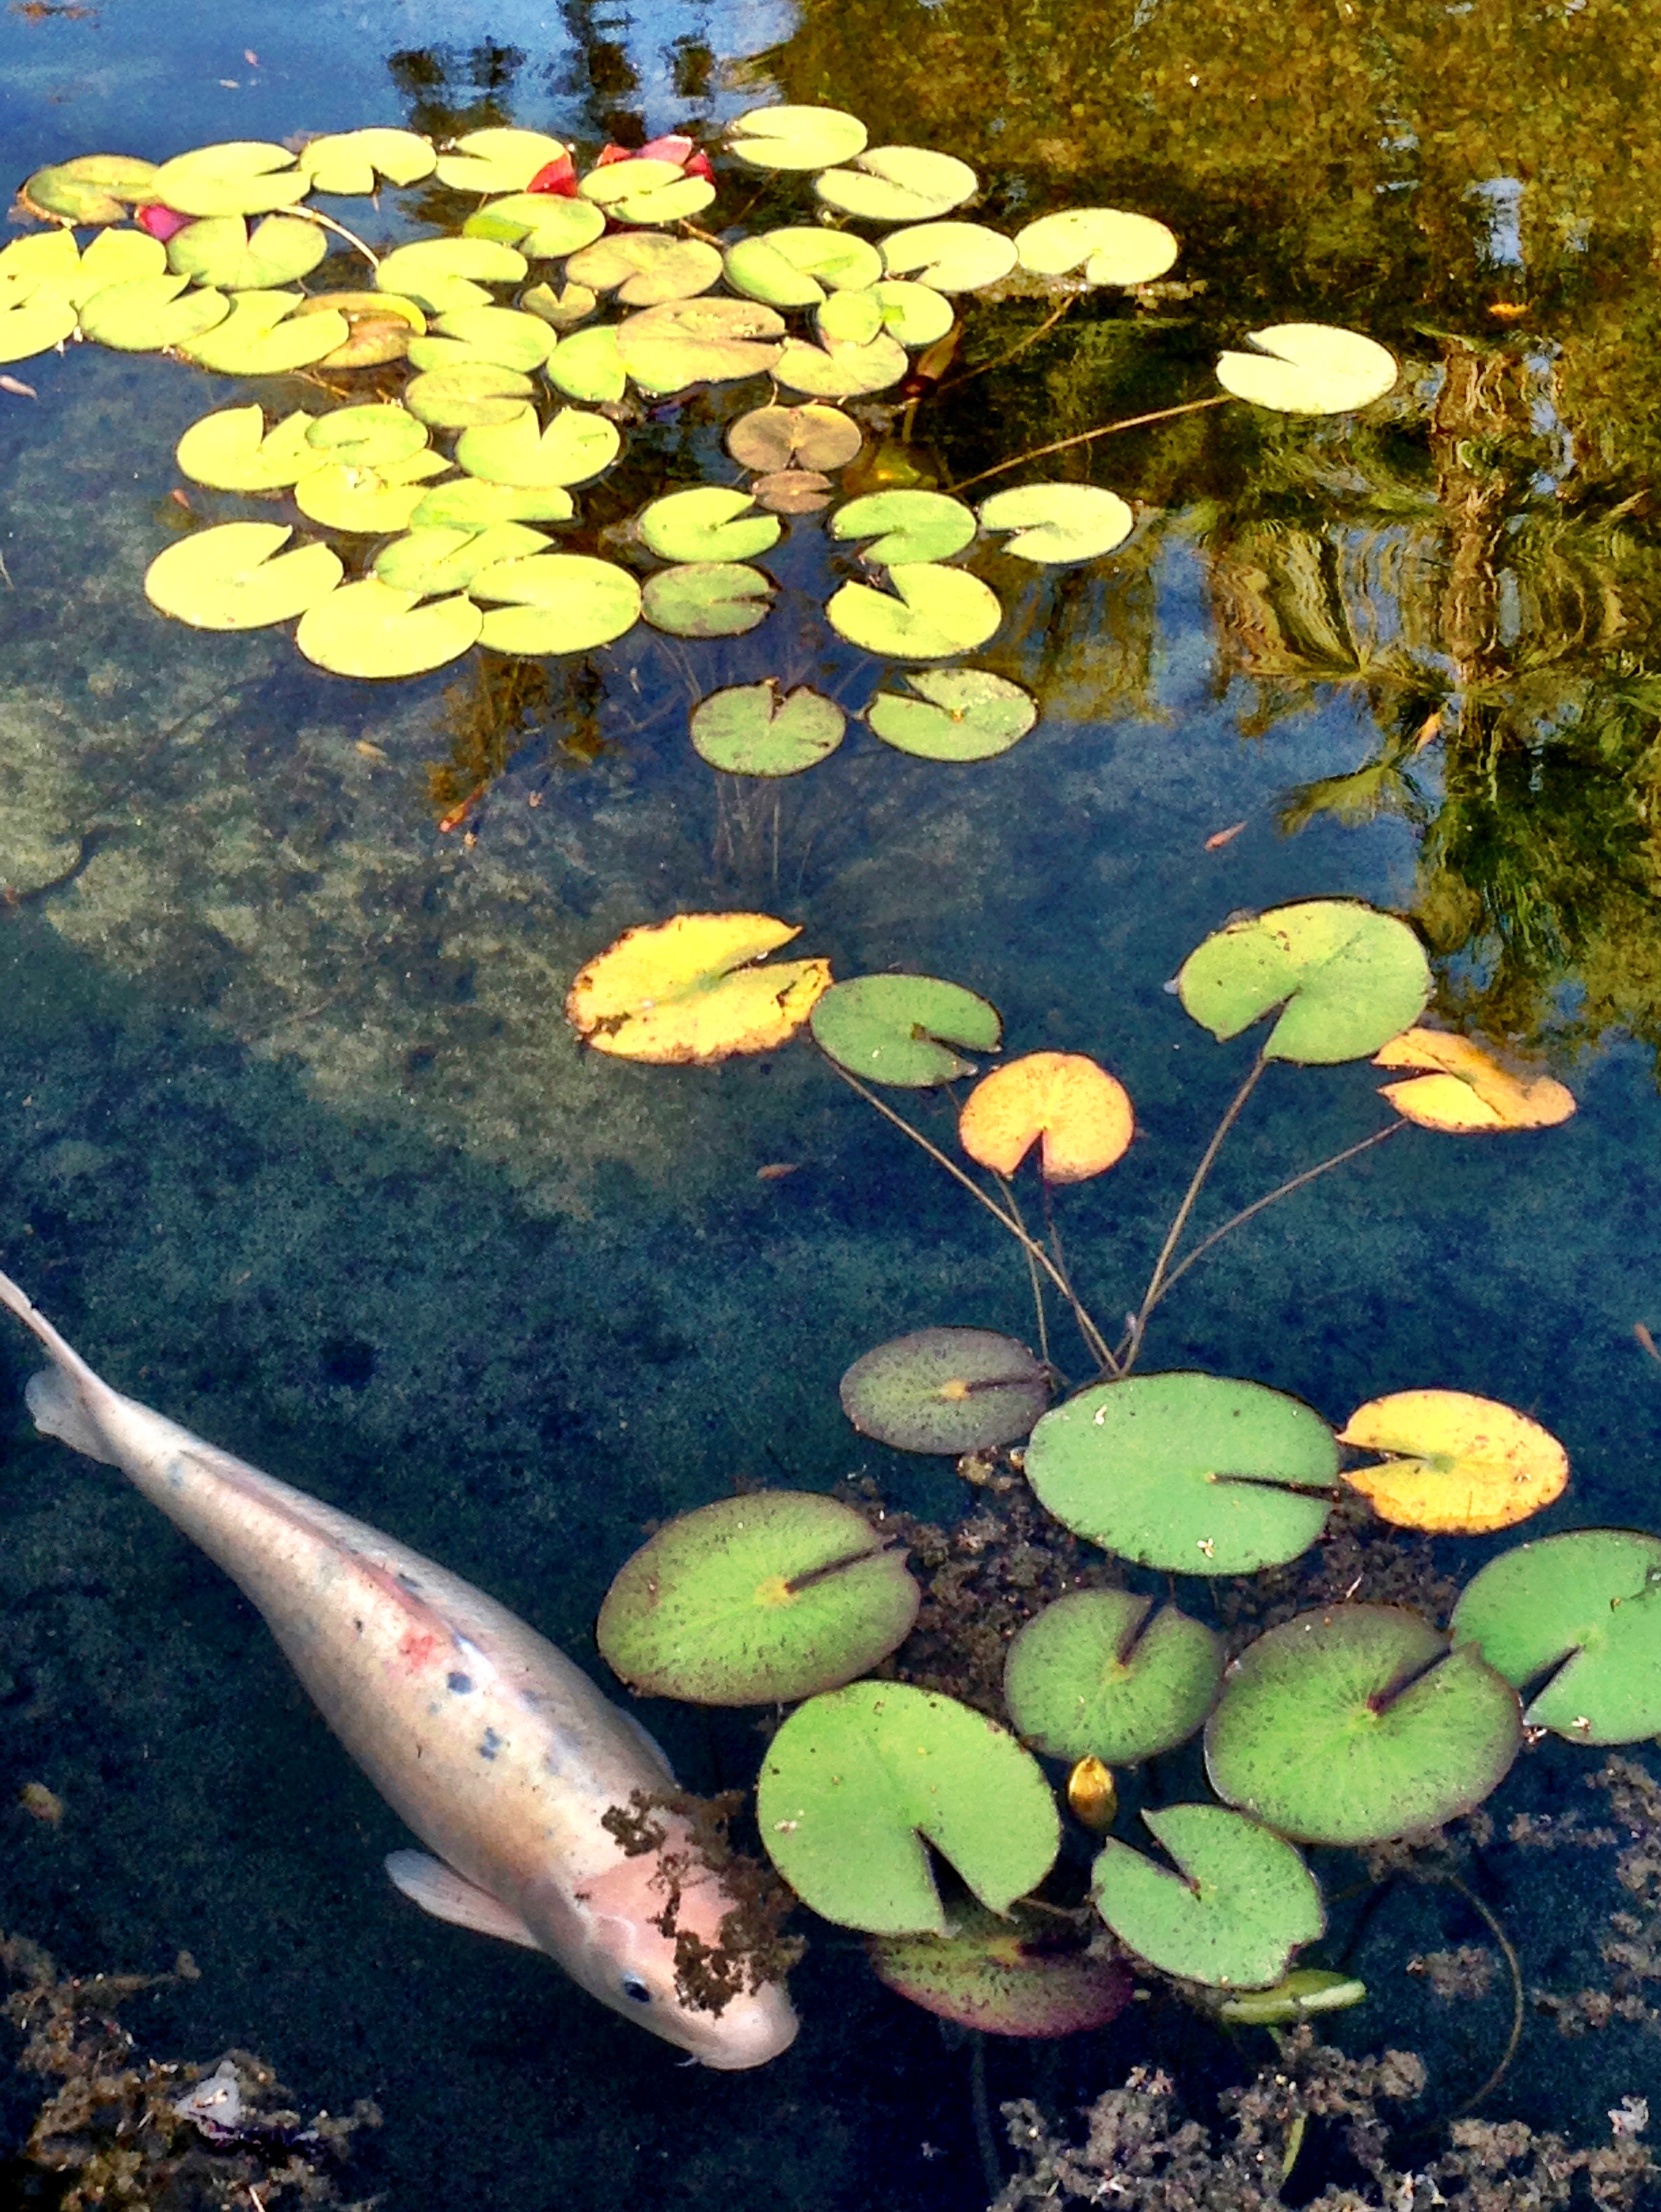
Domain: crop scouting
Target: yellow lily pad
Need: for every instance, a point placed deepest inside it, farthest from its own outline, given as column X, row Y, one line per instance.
column 1468, row 1091
column 347, row 162
column 370, row 628
column 243, row 176
column 1078, row 1115
column 1456, row 1465
column 687, row 991
column 231, row 577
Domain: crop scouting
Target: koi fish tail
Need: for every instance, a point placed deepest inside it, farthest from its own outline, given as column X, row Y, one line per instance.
column 64, row 1398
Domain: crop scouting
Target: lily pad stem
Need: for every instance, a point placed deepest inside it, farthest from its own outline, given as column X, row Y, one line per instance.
column 1083, row 437
column 1514, row 1968
column 982, row 368
column 1008, row 1191
column 328, row 222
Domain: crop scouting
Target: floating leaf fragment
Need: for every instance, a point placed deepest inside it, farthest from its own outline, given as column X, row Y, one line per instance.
column 707, row 598
column 951, row 1390
column 236, row 576
column 960, row 714
column 1456, row 1464
column 1240, row 1904
column 1106, row 245
column 1342, row 977
column 369, row 629
column 752, row 729
column 902, row 1028
column 1100, row 1675
column 1077, row 1114
column 689, row 991
column 931, row 611
column 1059, row 521
column 796, row 137
column 1309, row 368
column 1469, row 1091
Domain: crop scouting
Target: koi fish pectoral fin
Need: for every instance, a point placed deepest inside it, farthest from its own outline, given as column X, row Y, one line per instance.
column 60, row 1411
column 438, row 1889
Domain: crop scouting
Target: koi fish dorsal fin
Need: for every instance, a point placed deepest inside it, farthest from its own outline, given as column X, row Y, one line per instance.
column 438, row 1889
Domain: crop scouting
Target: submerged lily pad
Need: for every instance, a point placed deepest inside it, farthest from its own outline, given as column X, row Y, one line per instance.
column 951, row 1390
column 856, row 1781
column 810, row 437
column 557, row 603
column 1343, row 977
column 1233, row 1917
column 146, row 313
column 447, row 273
column 1059, row 521
column 949, row 257
column 750, row 730
column 1107, row 245
column 757, row 1601
column 898, row 184
column 498, row 159
column 644, row 270
column 347, row 162
column 932, row 612
column 92, row 187
column 700, row 340
column 960, row 714
column 1092, row 1675
column 796, row 137
column 243, row 176
column 794, row 267
column 841, row 372
column 707, row 598
column 1359, row 1723
column 902, row 1028
column 219, row 250
column 261, row 338
column 689, row 991
column 1309, row 368
column 1022, row 1975
column 1584, row 1609
column 370, row 630
column 236, row 576
column 906, row 526
column 1194, row 1473
column 709, row 523
column 231, row 450
column 542, row 226
column 573, row 447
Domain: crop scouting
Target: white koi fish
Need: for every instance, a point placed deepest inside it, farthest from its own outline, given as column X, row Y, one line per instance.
column 498, row 1752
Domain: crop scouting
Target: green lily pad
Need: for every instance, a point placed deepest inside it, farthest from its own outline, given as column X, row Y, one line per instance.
column 617, row 182
column 1059, row 521
column 1587, row 1608
column 795, row 267
column 432, row 562
column 849, row 319
column 564, row 308
column 670, row 203
column 345, row 163
column 1022, row 1975
column 1304, row 1992
column 1193, row 1473
column 543, row 226
column 369, row 629
column 506, row 337
column 854, row 1782
column 1093, row 1675
column 796, row 137
column 588, row 366
column 92, row 188
column 231, row 450
column 473, row 393
column 757, row 1601
column 951, row 1390
column 557, row 603
column 698, row 342
column 907, row 525
column 749, row 730
column 1345, row 978
column 932, row 612
column 707, row 598
column 1241, row 1905
column 1359, row 1723
column 769, row 439
column 901, row 1028
column 711, row 522
column 573, row 447
column 963, row 714
column 470, row 503
column 912, row 314
column 218, row 250
column 36, row 324
column 236, row 576
column 375, row 434
column 949, row 257
column 448, row 273
column 497, row 160
column 645, row 270
column 45, row 257
column 259, row 338
column 841, row 372
column 114, row 256
column 898, row 184
column 1105, row 244
column 373, row 501
column 1309, row 368
column 243, row 176
column 146, row 313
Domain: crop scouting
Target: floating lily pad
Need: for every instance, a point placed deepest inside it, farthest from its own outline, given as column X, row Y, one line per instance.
column 232, row 451
column 114, row 256
column 1194, row 1473
column 849, row 318
column 1093, row 1674
column 856, row 1781
column 588, row 366
column 369, row 629
column 380, row 327
column 775, row 438
column 448, row 273
column 757, row 1601
column 35, row 324
column 472, row 394
column 841, row 372
column 644, row 270
column 543, row 227
column 346, row 163
column 1242, row 1904
column 645, row 191
column 898, row 184
column 1309, row 368
column 949, row 257
column 960, row 714
column 689, row 991
column 375, row 435
column 218, row 250
column 1359, row 1723
column 902, row 1028
column 795, row 268
column 793, row 491
column 912, row 314
column 470, row 503
column 573, row 447
column 906, row 526
column 1468, row 1091
column 931, row 611
column 259, row 338
column 146, row 313
column 433, row 562
column 371, row 501
column 1587, row 1607
column 564, row 308
column 613, row 181
column 796, row 137
column 951, row 1390
column 1105, row 244
column 243, row 176
column 45, row 257
column 1078, row 1115
column 750, row 730
column 506, row 337
column 709, row 523
column 1059, row 521
column 92, row 187
column 557, row 603
column 1344, row 978
column 1454, row 1464
column 1023, row 1975
column 699, row 342
column 707, row 598
column 236, row 576
column 498, row 159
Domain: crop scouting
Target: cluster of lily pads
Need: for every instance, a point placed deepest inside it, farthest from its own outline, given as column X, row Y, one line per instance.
column 1347, row 1726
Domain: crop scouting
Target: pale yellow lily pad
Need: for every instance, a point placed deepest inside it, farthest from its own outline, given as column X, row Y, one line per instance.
column 236, row 576
column 1468, row 1091
column 369, row 628
column 687, row 991
column 1456, row 1465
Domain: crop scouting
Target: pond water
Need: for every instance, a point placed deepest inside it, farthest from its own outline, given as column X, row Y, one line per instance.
column 296, row 1144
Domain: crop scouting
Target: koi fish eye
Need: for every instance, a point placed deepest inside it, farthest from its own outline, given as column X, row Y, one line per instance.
column 634, row 1987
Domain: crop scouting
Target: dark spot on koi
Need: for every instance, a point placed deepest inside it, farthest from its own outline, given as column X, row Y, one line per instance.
column 406, row 1581
column 461, row 1684
column 490, row 1745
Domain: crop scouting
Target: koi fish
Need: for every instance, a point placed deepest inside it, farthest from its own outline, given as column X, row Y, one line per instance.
column 493, row 1747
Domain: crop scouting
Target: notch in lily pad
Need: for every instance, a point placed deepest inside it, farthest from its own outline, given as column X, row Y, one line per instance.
column 1340, row 978
column 691, row 990
column 1100, row 1675
column 1241, row 1903
column 905, row 1030
column 1103, row 246
column 951, row 1390
column 1028, row 1974
column 708, row 522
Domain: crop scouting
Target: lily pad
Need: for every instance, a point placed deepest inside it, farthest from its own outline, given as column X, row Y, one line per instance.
column 757, row 1601
column 949, row 257
column 1241, row 1905
column 1059, row 521
column 849, row 318
column 470, row 503
column 699, row 342
column 447, row 273
column 906, row 526
column 259, row 338
column 146, row 313
column 707, row 598
column 346, row 163
column 543, row 227
column 1194, row 1473
column 243, row 176
column 796, row 267
column 114, row 256
column 1023, row 1975
column 1305, row 1992
column 644, row 270
column 1585, row 1610
column 1359, row 1723
column 898, row 184
column 47, row 264
column 91, row 187
column 932, row 612
column 472, row 394
column 371, row 501
column 689, row 991
column 379, row 326
column 841, row 372
column 709, row 523
column 557, row 603
column 1106, row 246
column 588, row 366
column 564, row 308
column 793, row 491
column 218, row 250
column 1309, row 368
column 369, row 629
column 433, row 562
column 375, row 435
column 856, row 1781
column 36, row 324
column 1100, row 1675
column 796, row 137
column 236, row 576
column 573, row 447
column 1456, row 1463
column 1343, row 978
column 1468, row 1091
column 775, row 438
column 498, row 159
column 612, row 181
column 506, row 337
column 644, row 191
column 232, row 451
column 952, row 1390
column 960, row 714
column 902, row 1028
column 912, row 314
column 1078, row 1115
column 45, row 257
column 749, row 730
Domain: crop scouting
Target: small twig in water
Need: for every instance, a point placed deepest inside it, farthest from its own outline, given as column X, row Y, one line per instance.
column 1083, row 437
column 328, row 222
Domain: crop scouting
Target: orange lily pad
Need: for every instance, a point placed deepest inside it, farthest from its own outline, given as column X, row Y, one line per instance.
column 1456, row 1465
column 1079, row 1116
column 688, row 991
column 1467, row 1091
